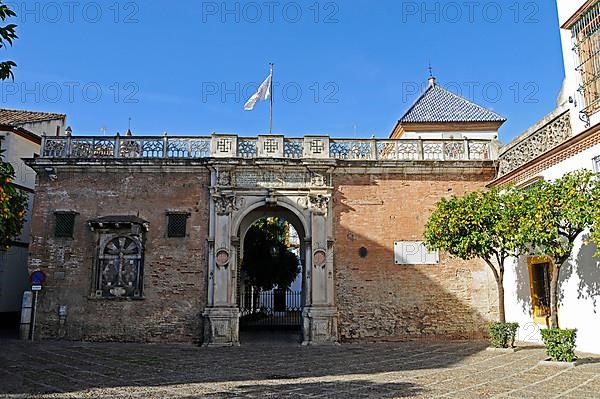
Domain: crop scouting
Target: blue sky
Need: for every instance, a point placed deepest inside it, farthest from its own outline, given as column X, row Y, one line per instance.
column 344, row 68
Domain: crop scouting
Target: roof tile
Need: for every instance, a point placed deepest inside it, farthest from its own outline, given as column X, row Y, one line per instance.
column 18, row 117
column 437, row 104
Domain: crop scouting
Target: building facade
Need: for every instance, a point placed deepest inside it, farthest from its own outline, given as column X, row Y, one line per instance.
column 105, row 207
column 567, row 139
column 20, row 137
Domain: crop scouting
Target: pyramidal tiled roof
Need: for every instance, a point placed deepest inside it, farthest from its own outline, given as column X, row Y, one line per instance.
column 17, row 116
column 437, row 104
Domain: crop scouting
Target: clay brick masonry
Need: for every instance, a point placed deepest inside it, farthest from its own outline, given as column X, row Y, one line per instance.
column 379, row 299
column 175, row 277
column 125, row 273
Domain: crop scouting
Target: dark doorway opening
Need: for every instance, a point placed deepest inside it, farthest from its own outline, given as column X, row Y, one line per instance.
column 270, row 281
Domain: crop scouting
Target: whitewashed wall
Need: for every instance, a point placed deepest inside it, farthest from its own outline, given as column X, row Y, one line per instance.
column 579, row 283
column 13, row 263
column 566, row 9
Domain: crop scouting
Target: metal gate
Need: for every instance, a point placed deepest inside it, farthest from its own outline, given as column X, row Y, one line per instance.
column 275, row 309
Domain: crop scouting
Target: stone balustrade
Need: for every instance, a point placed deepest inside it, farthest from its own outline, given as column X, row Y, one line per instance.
column 549, row 133
column 268, row 146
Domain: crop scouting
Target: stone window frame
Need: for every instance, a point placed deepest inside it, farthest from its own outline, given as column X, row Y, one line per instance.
column 124, row 230
column 170, row 214
column 71, row 227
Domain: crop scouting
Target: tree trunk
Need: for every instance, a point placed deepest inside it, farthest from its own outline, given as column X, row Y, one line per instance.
column 501, row 310
column 554, row 296
column 499, row 277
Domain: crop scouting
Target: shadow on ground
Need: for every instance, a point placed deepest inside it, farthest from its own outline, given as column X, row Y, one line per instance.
column 324, row 389
column 58, row 366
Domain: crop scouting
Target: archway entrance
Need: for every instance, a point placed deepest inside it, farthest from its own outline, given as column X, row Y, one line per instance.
column 240, row 196
column 271, row 276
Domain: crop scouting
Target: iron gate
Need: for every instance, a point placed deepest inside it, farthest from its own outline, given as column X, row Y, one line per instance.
column 270, row 309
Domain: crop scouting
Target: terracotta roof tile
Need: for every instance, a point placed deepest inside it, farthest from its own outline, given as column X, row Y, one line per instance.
column 17, row 117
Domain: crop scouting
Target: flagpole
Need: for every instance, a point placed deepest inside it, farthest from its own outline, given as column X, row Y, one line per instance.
column 271, row 107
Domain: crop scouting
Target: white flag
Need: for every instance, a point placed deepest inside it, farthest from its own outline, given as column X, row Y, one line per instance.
column 263, row 93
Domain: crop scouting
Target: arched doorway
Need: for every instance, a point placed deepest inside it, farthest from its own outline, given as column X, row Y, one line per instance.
column 237, row 201
column 271, row 283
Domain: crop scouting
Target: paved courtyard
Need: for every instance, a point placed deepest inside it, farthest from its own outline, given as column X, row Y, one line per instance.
column 419, row 369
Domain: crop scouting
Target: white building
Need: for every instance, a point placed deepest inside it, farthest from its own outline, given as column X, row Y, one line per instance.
column 20, row 136
column 565, row 140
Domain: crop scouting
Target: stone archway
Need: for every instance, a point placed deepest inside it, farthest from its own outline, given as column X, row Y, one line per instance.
column 236, row 202
column 287, row 315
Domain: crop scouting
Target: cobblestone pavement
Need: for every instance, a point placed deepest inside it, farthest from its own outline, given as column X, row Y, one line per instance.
column 418, row 369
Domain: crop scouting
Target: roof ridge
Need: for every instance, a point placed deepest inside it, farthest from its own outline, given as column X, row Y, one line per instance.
column 27, row 110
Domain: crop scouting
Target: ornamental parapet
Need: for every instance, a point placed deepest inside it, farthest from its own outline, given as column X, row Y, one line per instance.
column 267, row 146
column 547, row 134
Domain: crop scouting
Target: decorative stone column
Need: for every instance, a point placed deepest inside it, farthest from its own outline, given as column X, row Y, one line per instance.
column 221, row 314
column 320, row 313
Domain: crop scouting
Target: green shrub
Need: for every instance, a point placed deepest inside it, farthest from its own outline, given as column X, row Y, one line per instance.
column 560, row 344
column 502, row 335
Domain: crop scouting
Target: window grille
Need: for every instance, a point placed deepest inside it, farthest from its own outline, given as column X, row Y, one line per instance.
column 586, row 46
column 177, row 224
column 65, row 222
column 120, row 268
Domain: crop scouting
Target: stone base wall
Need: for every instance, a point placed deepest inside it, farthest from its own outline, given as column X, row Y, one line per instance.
column 174, row 293
column 378, row 299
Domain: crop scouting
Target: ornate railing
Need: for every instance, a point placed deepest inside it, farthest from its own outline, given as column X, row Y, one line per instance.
column 231, row 146
column 532, row 144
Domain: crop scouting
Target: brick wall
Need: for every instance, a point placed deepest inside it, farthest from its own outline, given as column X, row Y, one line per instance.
column 378, row 299
column 174, row 268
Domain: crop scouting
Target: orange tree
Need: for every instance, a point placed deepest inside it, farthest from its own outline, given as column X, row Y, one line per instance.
column 558, row 213
column 13, row 204
column 480, row 225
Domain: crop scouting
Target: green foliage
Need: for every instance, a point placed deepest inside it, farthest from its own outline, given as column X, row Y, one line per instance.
column 13, row 205
column 479, row 225
column 544, row 219
column 7, row 35
column 560, row 344
column 265, row 269
column 502, row 335
column 559, row 211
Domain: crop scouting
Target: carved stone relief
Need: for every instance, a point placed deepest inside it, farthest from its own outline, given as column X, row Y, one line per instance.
column 546, row 138
column 318, row 203
column 224, row 203
column 277, row 179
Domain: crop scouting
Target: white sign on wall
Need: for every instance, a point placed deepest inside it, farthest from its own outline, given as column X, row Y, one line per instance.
column 414, row 253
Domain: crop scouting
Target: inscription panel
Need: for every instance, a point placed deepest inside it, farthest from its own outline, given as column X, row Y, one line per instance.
column 275, row 179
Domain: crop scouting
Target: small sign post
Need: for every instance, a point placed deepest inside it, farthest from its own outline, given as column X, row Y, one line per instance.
column 37, row 279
